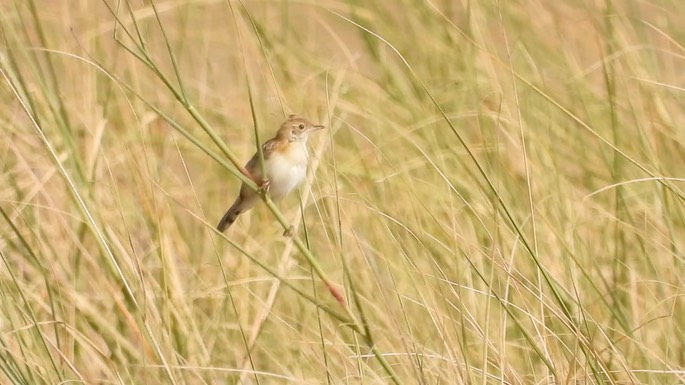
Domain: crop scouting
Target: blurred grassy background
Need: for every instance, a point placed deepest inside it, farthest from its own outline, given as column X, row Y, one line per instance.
column 503, row 182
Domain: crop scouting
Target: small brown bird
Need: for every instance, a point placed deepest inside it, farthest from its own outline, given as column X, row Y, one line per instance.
column 285, row 162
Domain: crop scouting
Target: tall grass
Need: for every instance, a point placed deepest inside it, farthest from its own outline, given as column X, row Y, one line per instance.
column 498, row 197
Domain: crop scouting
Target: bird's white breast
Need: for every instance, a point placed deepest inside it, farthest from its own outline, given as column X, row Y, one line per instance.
column 286, row 169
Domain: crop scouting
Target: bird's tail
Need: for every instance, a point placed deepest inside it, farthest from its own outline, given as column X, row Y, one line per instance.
column 230, row 216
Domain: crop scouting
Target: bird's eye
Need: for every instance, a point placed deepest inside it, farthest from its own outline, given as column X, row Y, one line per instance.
column 301, row 126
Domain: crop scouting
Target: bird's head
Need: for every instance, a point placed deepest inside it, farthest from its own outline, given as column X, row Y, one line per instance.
column 297, row 129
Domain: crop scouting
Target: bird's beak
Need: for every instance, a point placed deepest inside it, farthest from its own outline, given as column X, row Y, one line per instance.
column 319, row 127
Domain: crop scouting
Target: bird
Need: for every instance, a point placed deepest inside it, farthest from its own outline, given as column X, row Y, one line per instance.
column 285, row 161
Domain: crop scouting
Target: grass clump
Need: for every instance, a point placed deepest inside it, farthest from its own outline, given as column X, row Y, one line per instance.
column 498, row 198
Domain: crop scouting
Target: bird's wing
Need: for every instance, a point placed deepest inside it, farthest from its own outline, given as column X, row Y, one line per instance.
column 268, row 148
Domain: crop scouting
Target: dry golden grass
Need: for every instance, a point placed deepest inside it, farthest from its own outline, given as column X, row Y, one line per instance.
column 499, row 195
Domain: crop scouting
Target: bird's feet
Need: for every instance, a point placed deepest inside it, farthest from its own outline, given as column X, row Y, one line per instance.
column 290, row 232
column 263, row 186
